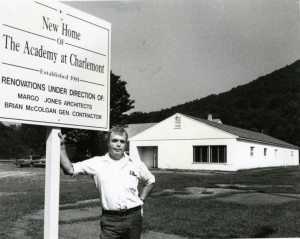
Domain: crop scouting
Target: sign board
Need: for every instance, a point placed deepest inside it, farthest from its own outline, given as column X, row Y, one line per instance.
column 55, row 66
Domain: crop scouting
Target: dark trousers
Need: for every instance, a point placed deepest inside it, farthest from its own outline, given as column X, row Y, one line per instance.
column 127, row 226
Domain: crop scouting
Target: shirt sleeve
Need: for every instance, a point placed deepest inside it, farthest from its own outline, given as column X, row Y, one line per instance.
column 145, row 175
column 85, row 167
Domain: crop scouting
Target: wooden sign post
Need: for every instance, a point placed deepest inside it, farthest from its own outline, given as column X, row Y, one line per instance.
column 54, row 71
column 51, row 213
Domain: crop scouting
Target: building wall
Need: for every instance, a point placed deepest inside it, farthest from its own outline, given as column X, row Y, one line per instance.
column 178, row 154
column 283, row 156
column 190, row 129
column 175, row 147
column 175, row 144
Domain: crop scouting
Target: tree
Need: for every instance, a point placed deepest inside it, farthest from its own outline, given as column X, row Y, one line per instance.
column 120, row 101
column 33, row 138
column 10, row 142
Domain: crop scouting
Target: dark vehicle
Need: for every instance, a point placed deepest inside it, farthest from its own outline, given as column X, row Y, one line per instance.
column 40, row 162
column 27, row 161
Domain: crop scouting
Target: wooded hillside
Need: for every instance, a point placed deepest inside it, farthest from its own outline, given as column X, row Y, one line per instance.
column 269, row 104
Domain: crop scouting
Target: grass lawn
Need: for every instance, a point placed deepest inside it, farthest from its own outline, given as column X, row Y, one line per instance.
column 165, row 212
column 208, row 217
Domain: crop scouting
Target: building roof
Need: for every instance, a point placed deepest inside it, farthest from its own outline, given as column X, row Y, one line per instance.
column 134, row 129
column 246, row 134
column 242, row 134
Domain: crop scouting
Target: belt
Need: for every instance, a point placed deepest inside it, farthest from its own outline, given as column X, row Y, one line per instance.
column 121, row 212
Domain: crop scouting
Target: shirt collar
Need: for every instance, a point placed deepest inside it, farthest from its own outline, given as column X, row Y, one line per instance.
column 107, row 158
column 127, row 157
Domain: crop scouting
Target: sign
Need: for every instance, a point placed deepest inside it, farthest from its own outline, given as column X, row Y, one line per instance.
column 55, row 66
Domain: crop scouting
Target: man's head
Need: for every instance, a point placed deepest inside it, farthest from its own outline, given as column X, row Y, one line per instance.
column 116, row 141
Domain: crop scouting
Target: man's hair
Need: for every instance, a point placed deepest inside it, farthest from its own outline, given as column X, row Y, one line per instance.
column 117, row 130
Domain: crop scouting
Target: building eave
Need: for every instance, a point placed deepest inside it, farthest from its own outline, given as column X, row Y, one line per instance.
column 268, row 143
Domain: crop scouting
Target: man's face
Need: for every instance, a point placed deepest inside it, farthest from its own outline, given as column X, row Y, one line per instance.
column 116, row 145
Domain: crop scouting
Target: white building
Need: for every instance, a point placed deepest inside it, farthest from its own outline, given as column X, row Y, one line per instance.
column 185, row 142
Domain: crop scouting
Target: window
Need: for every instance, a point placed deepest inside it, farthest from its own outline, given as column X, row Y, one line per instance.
column 201, row 154
column 214, row 154
column 251, row 151
column 222, row 154
column 265, row 151
column 177, row 122
column 218, row 154
column 210, row 154
column 292, row 153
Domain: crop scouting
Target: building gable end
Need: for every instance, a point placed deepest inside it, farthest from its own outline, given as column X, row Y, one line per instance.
column 189, row 129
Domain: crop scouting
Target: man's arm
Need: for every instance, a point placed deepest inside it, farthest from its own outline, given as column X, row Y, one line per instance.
column 148, row 179
column 64, row 159
column 146, row 191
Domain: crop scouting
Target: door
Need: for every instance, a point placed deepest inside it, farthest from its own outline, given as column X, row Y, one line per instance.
column 148, row 155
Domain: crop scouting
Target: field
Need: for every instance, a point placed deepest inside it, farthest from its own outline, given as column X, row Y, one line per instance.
column 249, row 203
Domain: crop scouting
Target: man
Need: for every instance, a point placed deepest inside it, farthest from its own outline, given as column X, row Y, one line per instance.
column 116, row 176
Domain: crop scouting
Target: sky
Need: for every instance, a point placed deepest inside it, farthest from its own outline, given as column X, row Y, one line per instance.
column 173, row 51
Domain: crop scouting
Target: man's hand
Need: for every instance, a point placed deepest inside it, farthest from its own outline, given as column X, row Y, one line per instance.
column 64, row 160
column 62, row 138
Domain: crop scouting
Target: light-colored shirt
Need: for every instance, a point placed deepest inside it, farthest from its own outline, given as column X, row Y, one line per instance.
column 116, row 180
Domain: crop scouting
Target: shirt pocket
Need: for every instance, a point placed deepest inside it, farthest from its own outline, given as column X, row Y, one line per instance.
column 131, row 182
